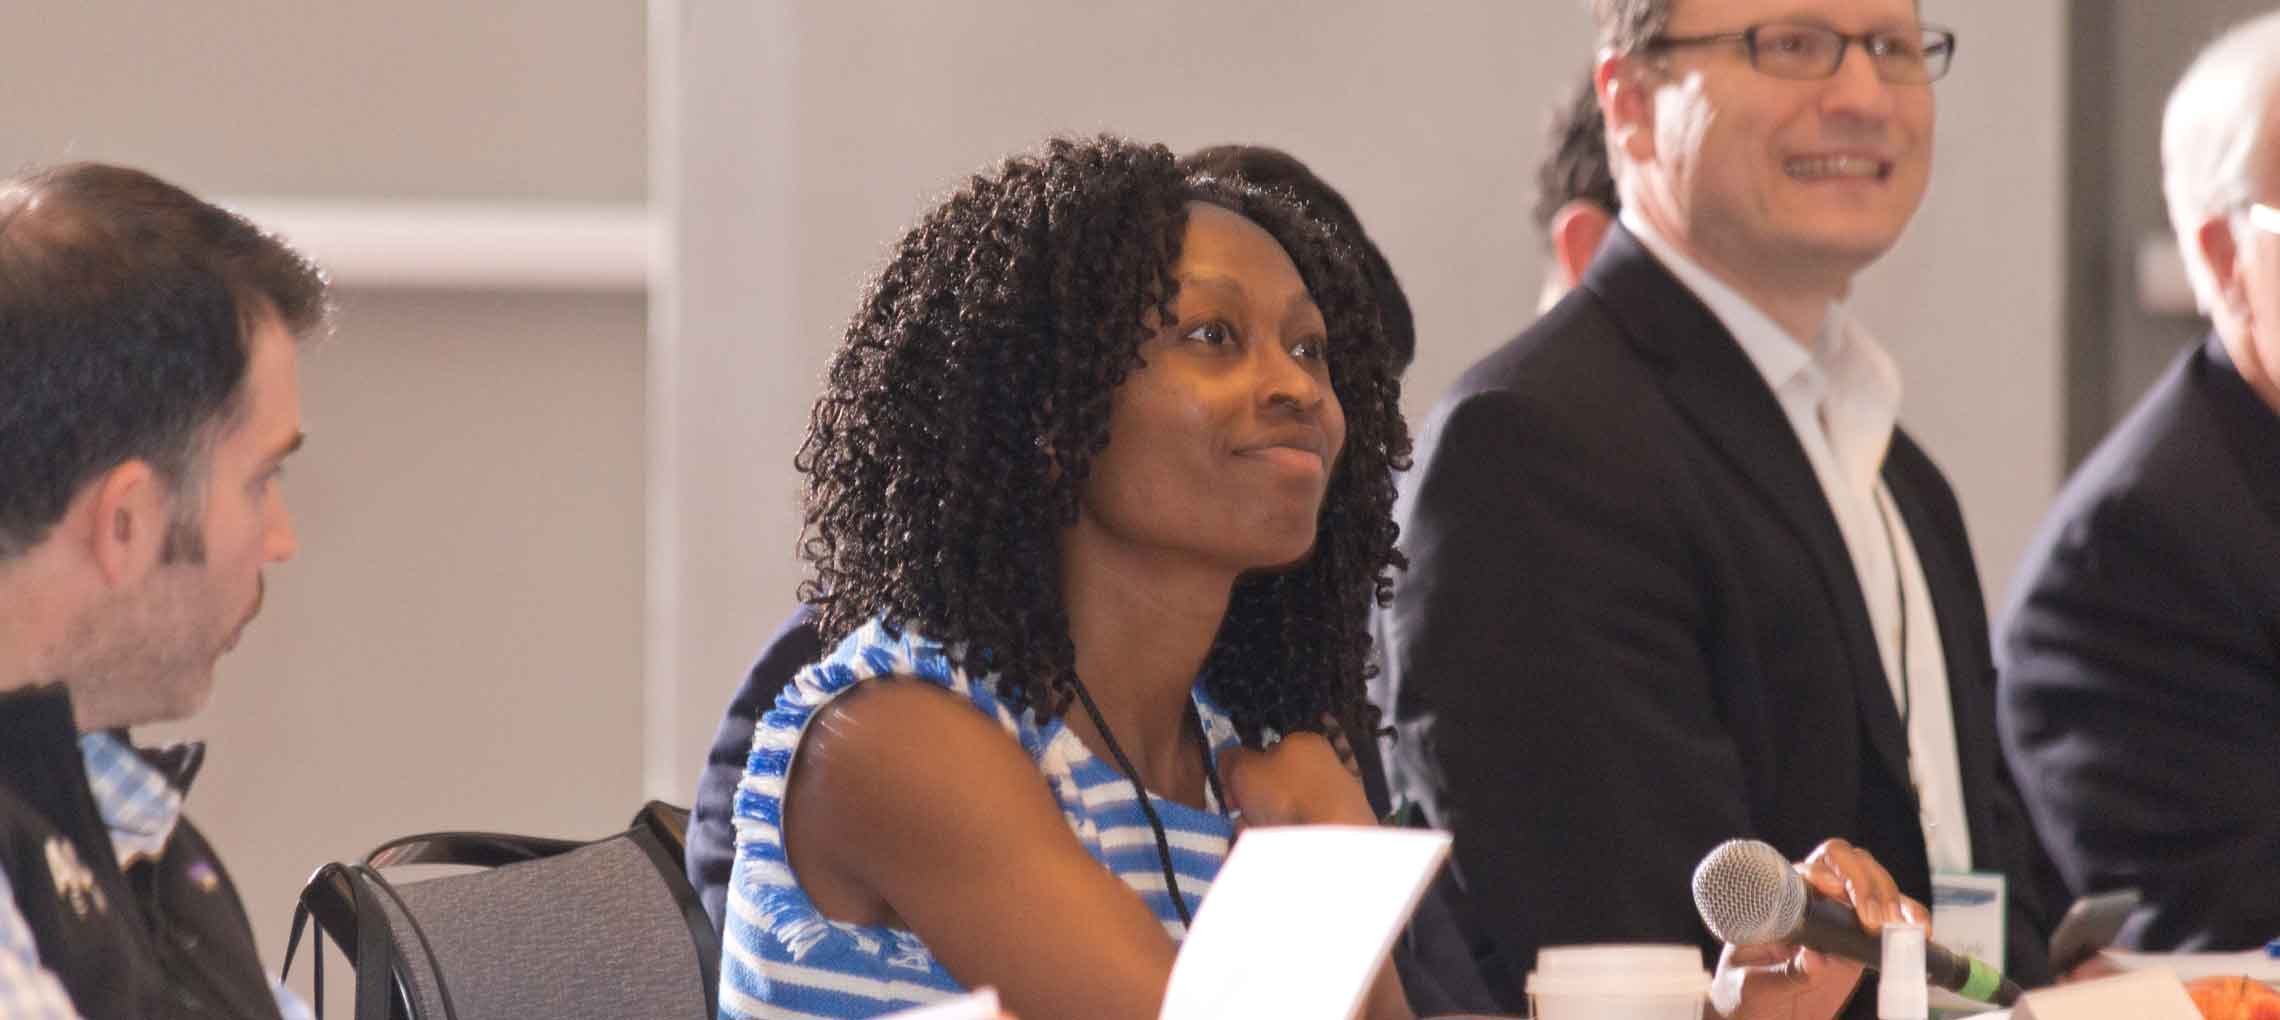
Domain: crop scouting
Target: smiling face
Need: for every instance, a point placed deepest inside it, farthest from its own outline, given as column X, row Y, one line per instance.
column 1222, row 444
column 1752, row 173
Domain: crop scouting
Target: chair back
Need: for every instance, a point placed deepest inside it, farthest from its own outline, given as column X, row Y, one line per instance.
column 538, row 927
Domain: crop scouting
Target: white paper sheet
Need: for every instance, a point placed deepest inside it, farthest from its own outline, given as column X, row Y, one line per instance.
column 2134, row 995
column 1299, row 920
column 2187, row 966
column 979, row 1004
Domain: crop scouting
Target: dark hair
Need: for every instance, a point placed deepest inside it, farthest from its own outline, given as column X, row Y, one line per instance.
column 972, row 390
column 126, row 309
column 1273, row 169
column 1625, row 25
column 1576, row 165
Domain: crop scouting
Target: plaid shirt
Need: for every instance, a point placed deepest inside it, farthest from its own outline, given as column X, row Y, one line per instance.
column 140, row 808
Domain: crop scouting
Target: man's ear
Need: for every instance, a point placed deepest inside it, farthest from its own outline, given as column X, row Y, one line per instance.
column 1577, row 229
column 2220, row 251
column 126, row 526
column 1627, row 104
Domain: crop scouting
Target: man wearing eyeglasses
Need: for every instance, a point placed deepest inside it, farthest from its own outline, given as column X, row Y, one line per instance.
column 2141, row 683
column 1676, row 577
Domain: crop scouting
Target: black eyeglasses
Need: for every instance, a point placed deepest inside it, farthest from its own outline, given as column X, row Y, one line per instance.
column 1810, row 52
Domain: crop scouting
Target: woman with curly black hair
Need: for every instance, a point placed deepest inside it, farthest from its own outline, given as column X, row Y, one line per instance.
column 1099, row 497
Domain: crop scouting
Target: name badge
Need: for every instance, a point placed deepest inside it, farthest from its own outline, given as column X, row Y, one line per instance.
column 1970, row 910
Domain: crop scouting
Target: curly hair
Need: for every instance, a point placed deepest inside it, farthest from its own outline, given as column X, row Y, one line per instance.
column 1273, row 168
column 972, row 389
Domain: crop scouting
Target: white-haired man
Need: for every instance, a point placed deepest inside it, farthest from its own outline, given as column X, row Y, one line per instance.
column 2140, row 694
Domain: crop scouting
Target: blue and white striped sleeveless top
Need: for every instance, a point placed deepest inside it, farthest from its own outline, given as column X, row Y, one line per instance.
column 782, row 959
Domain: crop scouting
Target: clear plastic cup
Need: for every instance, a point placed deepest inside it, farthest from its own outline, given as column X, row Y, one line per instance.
column 1618, row 982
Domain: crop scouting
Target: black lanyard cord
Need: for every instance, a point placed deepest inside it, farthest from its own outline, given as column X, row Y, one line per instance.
column 1900, row 597
column 1148, row 808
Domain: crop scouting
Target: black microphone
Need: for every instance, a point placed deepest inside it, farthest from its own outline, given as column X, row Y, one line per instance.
column 1749, row 895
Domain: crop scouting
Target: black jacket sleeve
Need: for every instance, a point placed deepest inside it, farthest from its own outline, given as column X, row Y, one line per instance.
column 712, row 838
column 1555, row 707
column 2138, row 702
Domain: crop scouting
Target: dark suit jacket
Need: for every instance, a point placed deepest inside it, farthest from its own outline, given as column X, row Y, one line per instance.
column 1631, row 630
column 2141, row 686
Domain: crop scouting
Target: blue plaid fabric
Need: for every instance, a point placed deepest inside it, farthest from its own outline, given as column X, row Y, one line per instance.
column 27, row 990
column 140, row 808
column 138, row 805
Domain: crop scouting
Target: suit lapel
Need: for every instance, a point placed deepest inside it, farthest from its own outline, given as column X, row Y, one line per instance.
column 2250, row 430
column 1720, row 391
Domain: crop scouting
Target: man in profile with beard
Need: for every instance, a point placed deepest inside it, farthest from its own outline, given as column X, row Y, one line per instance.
column 149, row 395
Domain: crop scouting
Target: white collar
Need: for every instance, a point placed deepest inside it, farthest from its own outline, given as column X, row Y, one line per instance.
column 1847, row 377
column 1777, row 355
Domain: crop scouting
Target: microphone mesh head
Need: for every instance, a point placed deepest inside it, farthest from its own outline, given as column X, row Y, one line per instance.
column 1747, row 893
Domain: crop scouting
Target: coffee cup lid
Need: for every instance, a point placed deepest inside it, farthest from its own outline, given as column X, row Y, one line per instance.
column 1619, row 969
column 1690, row 986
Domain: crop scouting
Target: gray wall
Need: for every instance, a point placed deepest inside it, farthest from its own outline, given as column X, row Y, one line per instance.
column 520, row 98
column 458, row 644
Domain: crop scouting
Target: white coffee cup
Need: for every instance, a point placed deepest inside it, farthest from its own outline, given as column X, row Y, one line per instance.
column 1618, row 982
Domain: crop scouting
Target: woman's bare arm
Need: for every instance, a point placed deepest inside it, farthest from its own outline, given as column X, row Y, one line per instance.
column 908, row 807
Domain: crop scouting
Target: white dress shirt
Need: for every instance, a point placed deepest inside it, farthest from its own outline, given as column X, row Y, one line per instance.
column 1842, row 398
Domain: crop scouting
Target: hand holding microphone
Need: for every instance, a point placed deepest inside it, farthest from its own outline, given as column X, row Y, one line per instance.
column 1769, row 971
column 1812, row 943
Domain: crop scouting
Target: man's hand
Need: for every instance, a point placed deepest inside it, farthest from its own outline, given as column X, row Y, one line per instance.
column 1778, row 981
